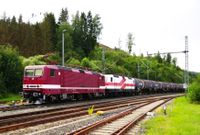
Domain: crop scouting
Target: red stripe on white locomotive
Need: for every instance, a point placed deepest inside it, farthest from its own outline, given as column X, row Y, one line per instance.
column 118, row 82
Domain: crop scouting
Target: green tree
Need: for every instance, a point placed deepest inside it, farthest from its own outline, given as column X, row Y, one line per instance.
column 73, row 62
column 194, row 91
column 3, row 89
column 48, row 28
column 26, row 47
column 10, row 69
column 37, row 39
column 94, row 27
column 130, row 42
column 85, row 62
column 86, row 30
column 68, row 41
column 34, row 60
column 174, row 60
column 64, row 16
column 21, row 34
column 13, row 36
column 76, row 35
column 158, row 58
column 168, row 58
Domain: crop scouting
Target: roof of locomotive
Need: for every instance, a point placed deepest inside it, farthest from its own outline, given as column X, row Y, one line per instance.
column 62, row 67
column 41, row 66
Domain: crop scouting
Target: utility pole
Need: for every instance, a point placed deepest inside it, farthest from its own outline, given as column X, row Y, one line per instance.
column 63, row 46
column 186, row 72
column 186, row 75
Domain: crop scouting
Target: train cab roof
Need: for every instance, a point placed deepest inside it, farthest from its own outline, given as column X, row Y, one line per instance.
column 41, row 66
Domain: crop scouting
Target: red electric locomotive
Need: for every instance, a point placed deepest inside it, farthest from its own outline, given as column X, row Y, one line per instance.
column 51, row 82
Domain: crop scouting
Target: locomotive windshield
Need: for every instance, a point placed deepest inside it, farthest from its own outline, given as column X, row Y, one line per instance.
column 33, row 72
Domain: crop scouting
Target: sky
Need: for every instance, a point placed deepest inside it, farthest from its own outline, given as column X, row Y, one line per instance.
column 157, row 25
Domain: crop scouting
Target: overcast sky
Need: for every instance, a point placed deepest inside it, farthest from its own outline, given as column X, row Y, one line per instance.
column 157, row 25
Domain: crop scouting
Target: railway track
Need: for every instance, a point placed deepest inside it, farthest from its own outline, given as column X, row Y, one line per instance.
column 13, row 122
column 14, row 107
column 120, row 123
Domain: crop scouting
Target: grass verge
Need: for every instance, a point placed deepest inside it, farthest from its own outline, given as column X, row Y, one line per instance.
column 11, row 97
column 183, row 118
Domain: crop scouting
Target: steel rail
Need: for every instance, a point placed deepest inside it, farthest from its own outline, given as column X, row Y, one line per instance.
column 89, row 128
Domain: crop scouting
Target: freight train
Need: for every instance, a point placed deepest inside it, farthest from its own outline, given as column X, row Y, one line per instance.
column 49, row 83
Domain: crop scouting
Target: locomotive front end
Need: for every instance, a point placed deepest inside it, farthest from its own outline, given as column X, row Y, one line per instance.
column 32, row 83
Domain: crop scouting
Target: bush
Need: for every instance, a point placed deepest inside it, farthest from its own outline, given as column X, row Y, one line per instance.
column 96, row 65
column 34, row 60
column 73, row 62
column 194, row 91
column 85, row 63
column 11, row 70
column 3, row 89
column 93, row 65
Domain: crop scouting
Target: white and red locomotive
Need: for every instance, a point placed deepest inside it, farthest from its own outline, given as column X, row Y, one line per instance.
column 46, row 83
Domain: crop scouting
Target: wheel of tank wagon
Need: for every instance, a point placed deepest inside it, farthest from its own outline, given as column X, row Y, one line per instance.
column 138, row 92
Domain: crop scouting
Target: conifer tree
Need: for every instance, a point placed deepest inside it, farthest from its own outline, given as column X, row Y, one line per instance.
column 130, row 42
column 64, row 16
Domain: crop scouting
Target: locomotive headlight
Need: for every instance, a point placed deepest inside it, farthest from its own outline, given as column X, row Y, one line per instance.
column 59, row 73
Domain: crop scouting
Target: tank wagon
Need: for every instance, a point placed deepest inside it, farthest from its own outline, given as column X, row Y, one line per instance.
column 47, row 83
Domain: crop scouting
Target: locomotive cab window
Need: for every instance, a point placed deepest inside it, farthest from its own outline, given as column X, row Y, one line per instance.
column 38, row 72
column 52, row 72
column 29, row 72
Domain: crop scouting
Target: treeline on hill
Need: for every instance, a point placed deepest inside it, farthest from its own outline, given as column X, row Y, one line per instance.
column 44, row 37
column 24, row 44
